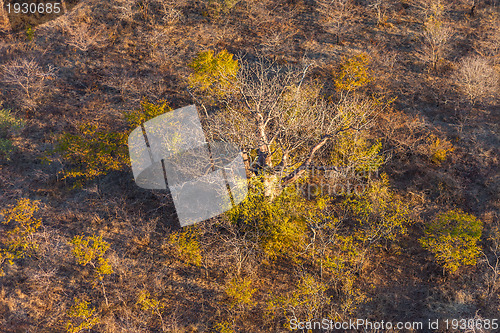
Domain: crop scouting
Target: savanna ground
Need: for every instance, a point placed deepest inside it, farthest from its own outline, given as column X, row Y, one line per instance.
column 401, row 97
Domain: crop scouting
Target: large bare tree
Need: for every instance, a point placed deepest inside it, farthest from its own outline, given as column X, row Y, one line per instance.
column 282, row 121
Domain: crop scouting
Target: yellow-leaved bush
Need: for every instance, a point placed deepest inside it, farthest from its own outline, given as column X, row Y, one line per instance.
column 379, row 214
column 214, row 74
column 353, row 150
column 21, row 226
column 279, row 224
column 90, row 251
column 453, row 238
column 438, row 149
column 240, row 292
column 81, row 317
column 187, row 246
column 151, row 304
column 93, row 151
column 353, row 73
column 306, row 301
column 340, row 267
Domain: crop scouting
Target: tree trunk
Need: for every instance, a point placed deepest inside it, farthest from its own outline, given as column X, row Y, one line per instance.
column 4, row 19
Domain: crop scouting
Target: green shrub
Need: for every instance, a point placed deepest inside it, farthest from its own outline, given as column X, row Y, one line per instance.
column 30, row 33
column 6, row 148
column 213, row 74
column 217, row 8
column 9, row 126
column 452, row 237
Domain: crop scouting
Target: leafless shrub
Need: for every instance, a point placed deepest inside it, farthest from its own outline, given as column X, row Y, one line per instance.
column 492, row 261
column 336, row 14
column 83, row 37
column 428, row 8
column 161, row 53
column 278, row 40
column 380, row 7
column 171, row 11
column 30, row 77
column 490, row 44
column 4, row 19
column 125, row 8
column 477, row 78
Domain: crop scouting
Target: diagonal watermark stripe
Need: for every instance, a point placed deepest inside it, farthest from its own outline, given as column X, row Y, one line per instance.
column 205, row 180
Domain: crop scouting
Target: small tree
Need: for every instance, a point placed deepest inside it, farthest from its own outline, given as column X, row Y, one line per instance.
column 336, row 14
column 435, row 35
column 452, row 237
column 150, row 304
column 30, row 77
column 282, row 123
column 90, row 251
column 380, row 214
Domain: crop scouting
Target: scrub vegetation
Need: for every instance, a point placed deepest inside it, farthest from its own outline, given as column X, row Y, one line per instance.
column 370, row 133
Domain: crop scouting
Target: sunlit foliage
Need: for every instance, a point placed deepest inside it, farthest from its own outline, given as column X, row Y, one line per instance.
column 22, row 225
column 82, row 317
column 453, row 238
column 187, row 246
column 381, row 216
column 93, row 151
column 213, row 73
column 353, row 73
